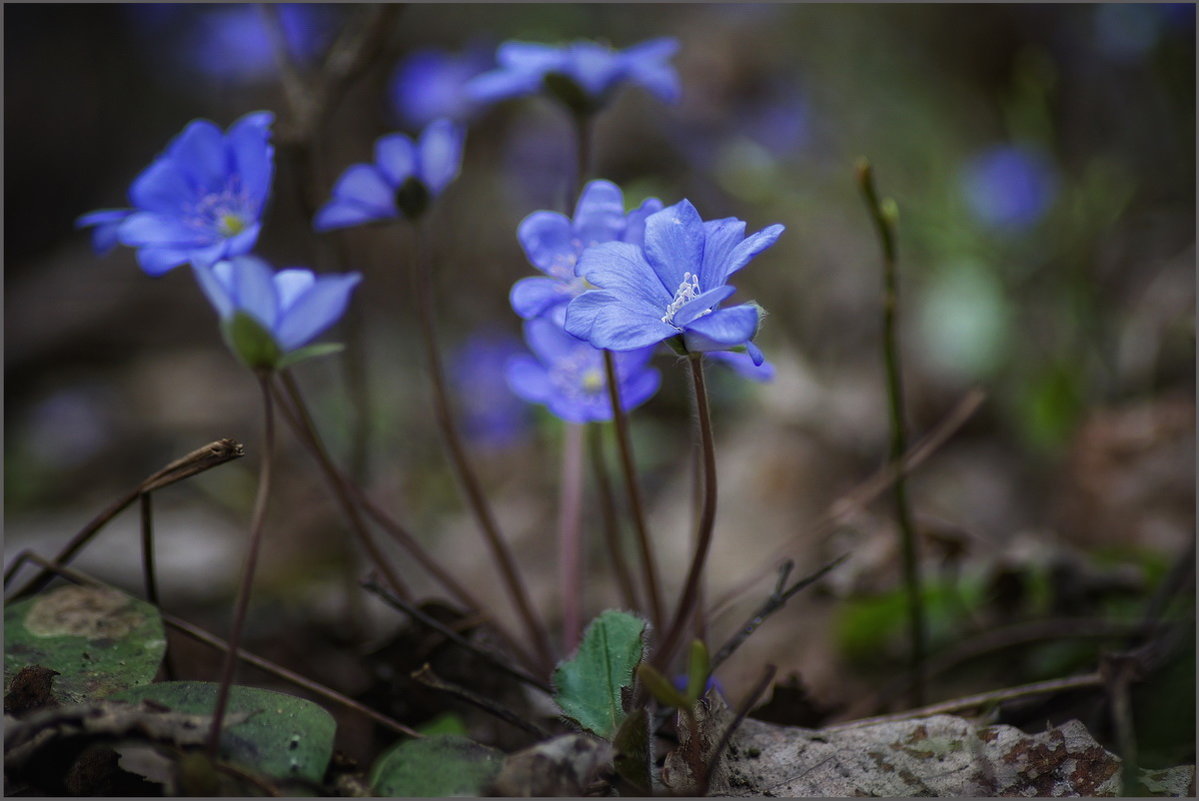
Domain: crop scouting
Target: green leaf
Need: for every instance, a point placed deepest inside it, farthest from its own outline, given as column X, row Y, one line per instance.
column 98, row 639
column 661, row 688
column 697, row 670
column 632, row 752
column 437, row 766
column 446, row 723
column 285, row 737
column 588, row 686
column 250, row 342
column 309, row 352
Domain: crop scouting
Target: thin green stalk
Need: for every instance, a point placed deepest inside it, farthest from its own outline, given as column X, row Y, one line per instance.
column 247, row 580
column 422, row 284
column 625, row 449
column 884, row 221
column 607, row 506
column 707, row 521
column 570, row 536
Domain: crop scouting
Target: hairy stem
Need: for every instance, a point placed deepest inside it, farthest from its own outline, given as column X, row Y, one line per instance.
column 607, row 506
column 422, row 284
column 247, row 580
column 570, row 535
column 909, row 543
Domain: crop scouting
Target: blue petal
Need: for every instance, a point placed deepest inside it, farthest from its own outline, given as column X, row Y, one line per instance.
column 653, row 50
column 291, row 283
column 440, row 154
column 756, row 356
column 695, row 307
column 162, row 188
column 722, row 329
column 252, row 287
column 528, row 379
column 638, row 388
column 365, row 185
column 617, row 328
column 339, row 213
column 599, row 214
column 634, row 231
column 145, row 228
column 621, row 269
column 530, row 297
column 594, row 67
column 529, row 56
column 199, row 153
column 107, row 223
column 674, row 244
column 720, row 238
column 501, row 84
column 243, row 242
column 155, row 260
column 318, row 308
column 253, row 155
column 550, row 342
column 207, row 255
column 744, row 364
column 581, row 312
column 395, row 156
column 751, row 247
column 548, row 242
column 214, row 282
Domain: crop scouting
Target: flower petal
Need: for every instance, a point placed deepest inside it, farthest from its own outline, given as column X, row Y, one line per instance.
column 720, row 237
column 501, row 84
column 674, row 244
column 162, row 187
column 752, row 246
column 365, row 185
column 638, row 388
column 253, row 156
column 156, row 260
column 528, row 378
column 252, row 288
column 528, row 56
column 107, row 223
column 145, row 228
column 291, row 283
column 617, row 328
column 722, row 329
column 243, row 242
column 531, row 297
column 395, row 156
column 695, row 307
column 439, row 154
column 339, row 213
column 599, row 214
column 317, row 309
column 548, row 241
column 634, row 231
column 214, row 282
column 550, row 342
column 199, row 154
column 744, row 364
column 621, row 269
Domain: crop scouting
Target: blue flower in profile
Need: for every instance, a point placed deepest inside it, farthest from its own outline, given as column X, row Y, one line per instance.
column 583, row 75
column 492, row 416
column 431, row 83
column 268, row 317
column 1009, row 187
column 672, row 287
column 201, row 201
column 404, row 178
column 568, row 376
column 553, row 243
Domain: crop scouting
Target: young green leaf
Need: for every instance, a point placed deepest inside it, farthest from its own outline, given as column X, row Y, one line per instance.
column 438, row 766
column 588, row 686
column 697, row 670
column 661, row 688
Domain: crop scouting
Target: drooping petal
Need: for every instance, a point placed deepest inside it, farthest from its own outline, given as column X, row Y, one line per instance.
column 145, row 228
column 752, row 246
column 722, row 328
column 548, row 242
column 199, row 153
column 695, row 307
column 155, row 260
column 315, row 310
column 756, row 355
column 364, row 185
column 440, row 154
column 395, row 156
column 338, row 213
column 621, row 269
column 291, row 283
column 599, row 214
column 744, row 364
column 253, row 155
column 528, row 378
column 674, row 243
column 531, row 297
column 162, row 188
column 214, row 283
column 252, row 287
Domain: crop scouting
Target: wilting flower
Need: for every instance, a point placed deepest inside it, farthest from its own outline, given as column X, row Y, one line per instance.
column 266, row 316
column 670, row 288
column 568, row 375
column 1009, row 186
column 200, row 202
column 583, row 75
column 553, row 243
column 492, row 416
column 405, row 177
column 431, row 83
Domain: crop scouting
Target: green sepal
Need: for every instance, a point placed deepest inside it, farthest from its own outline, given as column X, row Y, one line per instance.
column 678, row 346
column 697, row 670
column 309, row 352
column 661, row 688
column 252, row 344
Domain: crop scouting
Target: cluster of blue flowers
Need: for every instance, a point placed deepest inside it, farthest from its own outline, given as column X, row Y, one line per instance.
column 613, row 280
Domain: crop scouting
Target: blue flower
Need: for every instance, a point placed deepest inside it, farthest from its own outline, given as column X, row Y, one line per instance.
column 583, row 75
column 200, row 202
column 492, row 416
column 553, row 243
column 1009, row 186
column 742, row 364
column 671, row 287
column 405, row 177
column 266, row 316
column 431, row 83
column 568, row 375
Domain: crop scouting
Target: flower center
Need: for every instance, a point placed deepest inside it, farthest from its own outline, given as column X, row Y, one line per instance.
column 224, row 214
column 578, row 376
column 688, row 290
column 230, row 224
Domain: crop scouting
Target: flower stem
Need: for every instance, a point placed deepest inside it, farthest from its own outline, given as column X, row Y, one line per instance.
column 570, row 535
column 885, row 224
column 149, row 574
column 247, row 580
column 625, row 448
column 583, row 138
column 707, row 520
column 422, row 282
column 607, row 506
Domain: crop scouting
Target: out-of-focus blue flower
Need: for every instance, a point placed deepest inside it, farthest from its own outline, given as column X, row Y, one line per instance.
column 230, row 41
column 553, row 243
column 431, row 83
column 778, row 119
column 583, row 75
column 671, row 287
column 268, row 316
column 1126, row 32
column 743, row 365
column 405, row 177
column 492, row 416
column 568, row 375
column 1009, row 186
column 200, row 201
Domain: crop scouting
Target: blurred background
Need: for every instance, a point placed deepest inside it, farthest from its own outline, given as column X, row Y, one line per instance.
column 1042, row 160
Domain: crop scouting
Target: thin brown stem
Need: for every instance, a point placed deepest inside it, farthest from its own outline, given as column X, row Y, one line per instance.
column 570, row 536
column 636, row 510
column 422, row 284
column 607, row 506
column 242, row 604
column 751, row 700
column 427, row 677
column 149, row 574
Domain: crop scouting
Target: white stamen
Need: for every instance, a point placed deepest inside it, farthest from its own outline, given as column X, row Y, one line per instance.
column 688, row 289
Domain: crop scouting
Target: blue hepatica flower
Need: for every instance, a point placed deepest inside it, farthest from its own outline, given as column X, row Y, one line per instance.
column 492, row 415
column 431, row 83
column 583, row 75
column 671, row 287
column 1009, row 187
column 743, row 365
column 200, row 201
column 268, row 317
column 568, row 375
column 405, row 177
column 553, row 243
